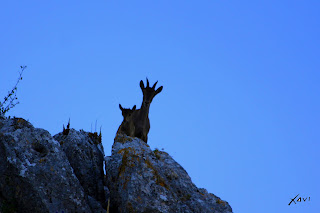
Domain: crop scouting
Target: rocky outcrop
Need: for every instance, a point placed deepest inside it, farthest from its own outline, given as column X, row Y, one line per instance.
column 36, row 175
column 64, row 173
column 142, row 180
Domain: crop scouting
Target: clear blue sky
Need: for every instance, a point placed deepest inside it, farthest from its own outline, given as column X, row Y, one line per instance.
column 240, row 105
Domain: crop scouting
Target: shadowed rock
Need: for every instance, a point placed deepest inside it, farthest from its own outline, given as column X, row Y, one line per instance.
column 35, row 174
column 86, row 157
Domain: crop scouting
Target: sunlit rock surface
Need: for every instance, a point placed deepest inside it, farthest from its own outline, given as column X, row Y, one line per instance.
column 142, row 180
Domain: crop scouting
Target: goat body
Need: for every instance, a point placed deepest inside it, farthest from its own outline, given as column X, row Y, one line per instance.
column 141, row 122
column 140, row 117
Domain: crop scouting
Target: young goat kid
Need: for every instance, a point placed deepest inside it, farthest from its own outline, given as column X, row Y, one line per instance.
column 127, row 125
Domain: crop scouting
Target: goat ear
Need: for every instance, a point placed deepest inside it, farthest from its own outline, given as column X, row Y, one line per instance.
column 141, row 84
column 120, row 107
column 159, row 90
column 134, row 107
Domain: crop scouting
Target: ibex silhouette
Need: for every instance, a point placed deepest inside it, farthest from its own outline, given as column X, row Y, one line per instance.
column 127, row 125
column 140, row 117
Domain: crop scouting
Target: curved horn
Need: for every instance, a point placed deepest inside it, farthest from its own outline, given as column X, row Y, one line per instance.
column 147, row 82
column 154, row 86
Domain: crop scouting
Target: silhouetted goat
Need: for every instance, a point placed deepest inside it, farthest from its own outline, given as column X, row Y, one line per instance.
column 127, row 126
column 140, row 117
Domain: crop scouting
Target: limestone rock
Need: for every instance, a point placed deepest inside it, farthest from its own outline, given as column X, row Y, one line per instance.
column 142, row 180
column 35, row 174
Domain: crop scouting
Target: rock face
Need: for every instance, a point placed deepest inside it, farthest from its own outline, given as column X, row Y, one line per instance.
column 85, row 154
column 142, row 180
column 36, row 175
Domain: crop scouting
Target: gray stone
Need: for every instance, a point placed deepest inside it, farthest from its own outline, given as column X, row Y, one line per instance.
column 142, row 180
column 35, row 174
column 85, row 154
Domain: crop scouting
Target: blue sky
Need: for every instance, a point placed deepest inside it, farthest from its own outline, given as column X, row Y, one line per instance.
column 240, row 105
